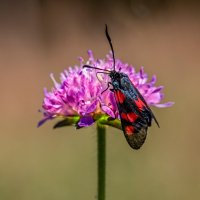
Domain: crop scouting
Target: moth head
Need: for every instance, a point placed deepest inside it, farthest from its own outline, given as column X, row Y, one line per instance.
column 115, row 76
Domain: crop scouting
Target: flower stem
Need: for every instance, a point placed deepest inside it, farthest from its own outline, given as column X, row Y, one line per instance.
column 101, row 142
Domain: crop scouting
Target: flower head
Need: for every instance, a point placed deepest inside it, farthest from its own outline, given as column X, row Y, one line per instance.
column 78, row 97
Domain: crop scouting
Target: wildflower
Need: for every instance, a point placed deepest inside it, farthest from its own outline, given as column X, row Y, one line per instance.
column 78, row 98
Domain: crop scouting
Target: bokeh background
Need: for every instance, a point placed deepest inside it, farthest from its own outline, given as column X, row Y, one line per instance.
column 38, row 37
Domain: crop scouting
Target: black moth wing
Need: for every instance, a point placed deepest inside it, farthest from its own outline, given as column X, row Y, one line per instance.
column 134, row 131
column 134, row 112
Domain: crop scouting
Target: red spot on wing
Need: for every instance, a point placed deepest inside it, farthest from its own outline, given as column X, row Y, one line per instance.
column 120, row 96
column 140, row 104
column 124, row 116
column 132, row 116
column 129, row 130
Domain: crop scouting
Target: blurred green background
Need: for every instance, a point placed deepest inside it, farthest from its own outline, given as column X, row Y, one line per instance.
column 40, row 37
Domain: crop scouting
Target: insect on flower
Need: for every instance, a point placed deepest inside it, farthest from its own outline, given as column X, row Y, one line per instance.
column 135, row 114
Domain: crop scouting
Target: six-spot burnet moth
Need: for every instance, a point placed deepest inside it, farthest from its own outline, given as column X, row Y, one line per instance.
column 136, row 116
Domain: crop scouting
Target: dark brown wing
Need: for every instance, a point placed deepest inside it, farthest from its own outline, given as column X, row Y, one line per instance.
column 136, row 138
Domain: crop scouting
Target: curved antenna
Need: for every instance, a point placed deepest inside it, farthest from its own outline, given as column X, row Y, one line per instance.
column 88, row 66
column 111, row 46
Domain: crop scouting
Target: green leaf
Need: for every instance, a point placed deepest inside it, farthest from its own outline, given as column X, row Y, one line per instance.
column 68, row 121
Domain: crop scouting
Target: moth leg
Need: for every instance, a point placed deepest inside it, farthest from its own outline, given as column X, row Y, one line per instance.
column 109, row 83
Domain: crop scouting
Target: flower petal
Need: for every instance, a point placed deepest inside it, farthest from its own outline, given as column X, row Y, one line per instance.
column 41, row 122
column 164, row 105
column 108, row 111
column 79, row 91
column 85, row 121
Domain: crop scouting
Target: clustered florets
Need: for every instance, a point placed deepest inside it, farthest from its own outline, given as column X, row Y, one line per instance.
column 79, row 91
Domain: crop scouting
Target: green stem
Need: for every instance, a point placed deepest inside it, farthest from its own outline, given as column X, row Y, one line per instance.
column 101, row 142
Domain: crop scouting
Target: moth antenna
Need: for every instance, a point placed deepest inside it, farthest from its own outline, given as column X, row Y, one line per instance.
column 91, row 67
column 111, row 46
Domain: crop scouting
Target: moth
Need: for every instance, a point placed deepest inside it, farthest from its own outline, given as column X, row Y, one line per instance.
column 135, row 115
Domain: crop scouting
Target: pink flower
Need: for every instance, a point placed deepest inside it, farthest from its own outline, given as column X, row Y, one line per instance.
column 79, row 91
